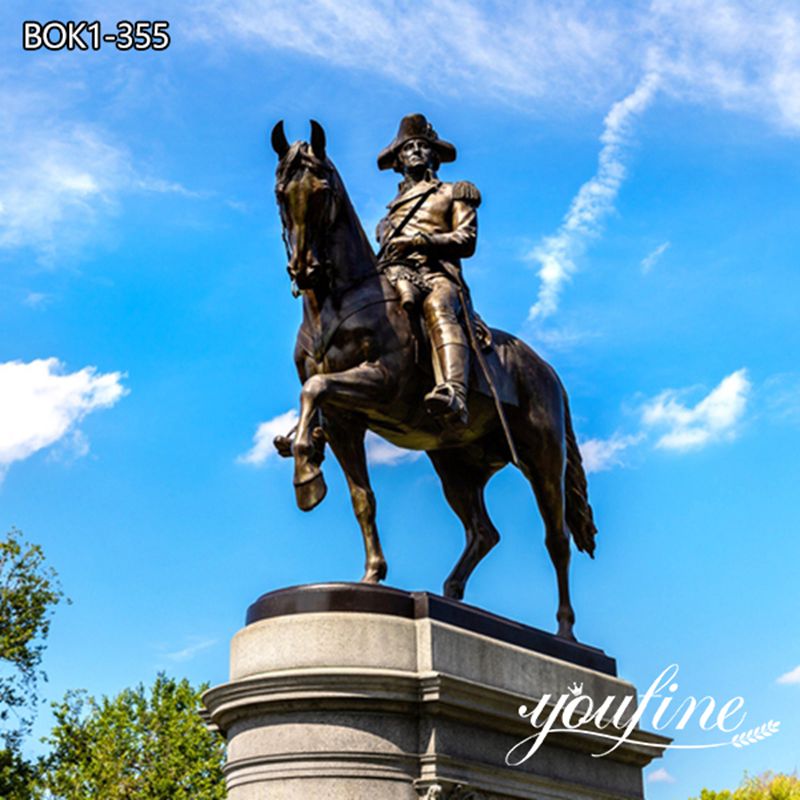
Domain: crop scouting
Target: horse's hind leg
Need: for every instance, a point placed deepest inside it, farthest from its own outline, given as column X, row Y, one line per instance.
column 347, row 443
column 543, row 465
column 463, row 485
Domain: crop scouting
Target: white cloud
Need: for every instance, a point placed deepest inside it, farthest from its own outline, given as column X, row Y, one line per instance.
column 528, row 50
column 70, row 447
column 61, row 178
column 41, row 404
column 379, row 451
column 556, row 255
column 738, row 55
column 56, row 182
column 37, row 299
column 600, row 455
column 650, row 260
column 714, row 417
column 734, row 54
column 791, row 677
column 781, row 397
column 555, row 339
column 160, row 186
column 660, row 775
column 263, row 450
column 196, row 645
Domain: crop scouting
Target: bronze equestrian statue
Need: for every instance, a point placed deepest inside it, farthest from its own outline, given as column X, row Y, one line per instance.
column 364, row 356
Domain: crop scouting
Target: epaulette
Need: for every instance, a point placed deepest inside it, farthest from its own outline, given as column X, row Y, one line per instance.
column 468, row 192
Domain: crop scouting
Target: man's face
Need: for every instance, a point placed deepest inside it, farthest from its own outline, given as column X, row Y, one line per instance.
column 415, row 155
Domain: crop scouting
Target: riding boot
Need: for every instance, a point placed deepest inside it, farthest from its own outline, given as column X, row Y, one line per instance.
column 450, row 351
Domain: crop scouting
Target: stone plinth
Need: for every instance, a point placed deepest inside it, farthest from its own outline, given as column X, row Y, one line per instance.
column 357, row 692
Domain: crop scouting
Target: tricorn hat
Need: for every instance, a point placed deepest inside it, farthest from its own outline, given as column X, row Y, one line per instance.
column 415, row 126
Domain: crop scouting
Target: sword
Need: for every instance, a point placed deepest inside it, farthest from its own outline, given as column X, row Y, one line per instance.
column 476, row 347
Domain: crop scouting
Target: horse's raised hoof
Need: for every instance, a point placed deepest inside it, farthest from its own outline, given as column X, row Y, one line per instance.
column 310, row 492
column 454, row 590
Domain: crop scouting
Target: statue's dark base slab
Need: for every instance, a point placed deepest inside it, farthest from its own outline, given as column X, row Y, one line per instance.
column 369, row 598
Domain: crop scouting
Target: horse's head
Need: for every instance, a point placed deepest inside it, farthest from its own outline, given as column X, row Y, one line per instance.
column 308, row 191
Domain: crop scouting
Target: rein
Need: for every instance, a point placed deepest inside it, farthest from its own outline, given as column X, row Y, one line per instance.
column 321, row 342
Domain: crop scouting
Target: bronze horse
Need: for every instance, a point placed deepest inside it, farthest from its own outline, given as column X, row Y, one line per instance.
column 358, row 358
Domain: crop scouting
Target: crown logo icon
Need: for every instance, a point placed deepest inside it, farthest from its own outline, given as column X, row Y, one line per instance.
column 576, row 688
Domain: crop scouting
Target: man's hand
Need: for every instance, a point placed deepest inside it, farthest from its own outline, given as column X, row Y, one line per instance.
column 401, row 246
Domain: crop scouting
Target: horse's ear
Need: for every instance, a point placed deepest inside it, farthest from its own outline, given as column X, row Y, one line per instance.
column 279, row 142
column 317, row 140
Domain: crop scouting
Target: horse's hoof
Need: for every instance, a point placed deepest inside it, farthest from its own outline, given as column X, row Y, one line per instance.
column 375, row 574
column 454, row 589
column 565, row 632
column 311, row 492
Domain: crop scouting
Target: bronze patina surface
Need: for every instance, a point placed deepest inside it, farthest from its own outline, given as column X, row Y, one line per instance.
column 390, row 343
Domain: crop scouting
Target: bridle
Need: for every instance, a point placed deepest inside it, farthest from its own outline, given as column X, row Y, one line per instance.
column 302, row 163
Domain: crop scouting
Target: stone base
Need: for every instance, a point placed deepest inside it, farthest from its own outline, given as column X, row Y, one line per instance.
column 351, row 692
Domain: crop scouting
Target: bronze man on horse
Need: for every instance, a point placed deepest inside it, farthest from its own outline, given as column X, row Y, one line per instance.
column 358, row 360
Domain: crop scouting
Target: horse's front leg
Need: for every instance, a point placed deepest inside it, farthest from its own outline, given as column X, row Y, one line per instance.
column 351, row 389
column 346, row 437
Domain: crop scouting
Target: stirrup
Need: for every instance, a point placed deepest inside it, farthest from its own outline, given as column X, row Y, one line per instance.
column 448, row 402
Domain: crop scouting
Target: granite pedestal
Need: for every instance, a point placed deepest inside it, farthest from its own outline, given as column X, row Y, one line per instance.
column 358, row 692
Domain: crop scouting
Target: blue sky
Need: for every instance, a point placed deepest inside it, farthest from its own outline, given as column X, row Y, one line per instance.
column 640, row 169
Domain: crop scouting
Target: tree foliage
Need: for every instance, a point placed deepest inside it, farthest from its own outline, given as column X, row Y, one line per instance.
column 29, row 592
column 768, row 786
column 142, row 744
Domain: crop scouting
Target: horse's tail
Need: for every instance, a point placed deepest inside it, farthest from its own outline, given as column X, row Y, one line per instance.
column 578, row 512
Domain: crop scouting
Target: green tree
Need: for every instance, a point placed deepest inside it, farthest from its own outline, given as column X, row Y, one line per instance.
column 29, row 592
column 768, row 786
column 142, row 744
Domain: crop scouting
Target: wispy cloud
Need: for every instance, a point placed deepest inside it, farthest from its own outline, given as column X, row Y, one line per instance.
column 37, row 299
column 263, row 450
column 733, row 54
column 61, row 177
column 557, row 254
column 667, row 422
column 714, row 417
column 736, row 55
column 161, row 186
column 600, row 455
column 56, row 183
column 559, row 338
column 650, row 260
column 530, row 50
column 41, row 404
column 196, row 645
column 660, row 775
column 781, row 397
column 791, row 677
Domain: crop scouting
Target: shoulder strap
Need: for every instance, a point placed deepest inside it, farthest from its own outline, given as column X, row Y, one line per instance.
column 407, row 218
